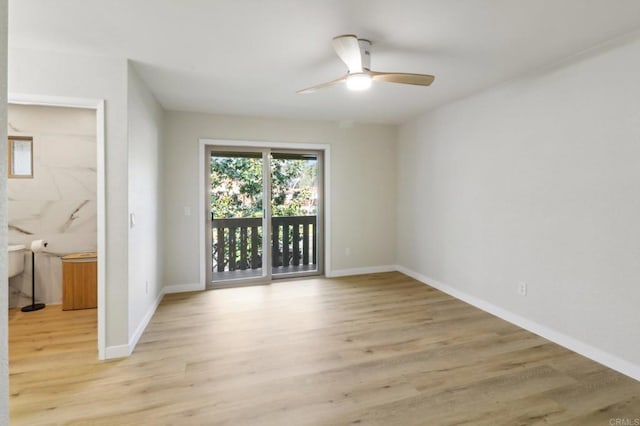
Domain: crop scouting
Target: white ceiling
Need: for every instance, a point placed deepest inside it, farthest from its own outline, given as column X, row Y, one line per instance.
column 249, row 57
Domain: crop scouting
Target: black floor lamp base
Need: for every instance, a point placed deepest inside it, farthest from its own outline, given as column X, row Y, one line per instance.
column 34, row 307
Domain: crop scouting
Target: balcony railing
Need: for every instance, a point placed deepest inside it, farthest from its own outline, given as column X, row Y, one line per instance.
column 237, row 244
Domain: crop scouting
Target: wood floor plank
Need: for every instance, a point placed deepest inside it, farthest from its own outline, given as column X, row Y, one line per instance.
column 377, row 349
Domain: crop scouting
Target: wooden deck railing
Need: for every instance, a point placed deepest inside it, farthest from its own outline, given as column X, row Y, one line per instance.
column 237, row 242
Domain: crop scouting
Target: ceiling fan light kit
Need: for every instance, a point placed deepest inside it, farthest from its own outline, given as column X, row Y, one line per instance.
column 358, row 81
column 356, row 55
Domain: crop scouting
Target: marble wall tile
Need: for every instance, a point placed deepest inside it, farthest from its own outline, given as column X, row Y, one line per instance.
column 48, row 283
column 29, row 218
column 59, row 203
column 54, row 183
column 51, row 120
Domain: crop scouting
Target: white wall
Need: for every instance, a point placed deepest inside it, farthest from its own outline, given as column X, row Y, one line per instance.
column 362, row 185
column 34, row 72
column 145, row 247
column 538, row 181
column 4, row 331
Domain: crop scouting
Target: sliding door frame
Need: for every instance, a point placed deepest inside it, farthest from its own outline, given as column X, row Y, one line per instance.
column 206, row 146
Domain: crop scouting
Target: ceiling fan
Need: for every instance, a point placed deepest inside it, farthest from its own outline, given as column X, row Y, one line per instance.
column 355, row 53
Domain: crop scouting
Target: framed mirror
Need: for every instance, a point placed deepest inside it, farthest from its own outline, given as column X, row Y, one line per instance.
column 20, row 157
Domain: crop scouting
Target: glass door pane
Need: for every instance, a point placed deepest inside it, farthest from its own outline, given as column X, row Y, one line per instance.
column 236, row 202
column 294, row 213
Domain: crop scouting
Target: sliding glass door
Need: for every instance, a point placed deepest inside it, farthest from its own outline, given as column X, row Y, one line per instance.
column 236, row 197
column 265, row 215
column 294, row 213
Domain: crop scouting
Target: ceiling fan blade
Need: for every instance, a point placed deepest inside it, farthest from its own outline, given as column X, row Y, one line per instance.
column 348, row 49
column 403, row 78
column 323, row 85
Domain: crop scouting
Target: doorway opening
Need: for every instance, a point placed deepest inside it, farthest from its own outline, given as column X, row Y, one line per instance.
column 59, row 174
column 264, row 214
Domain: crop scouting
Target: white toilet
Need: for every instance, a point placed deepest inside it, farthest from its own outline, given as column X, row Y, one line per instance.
column 16, row 260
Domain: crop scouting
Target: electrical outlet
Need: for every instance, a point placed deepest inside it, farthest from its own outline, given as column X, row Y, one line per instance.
column 522, row 288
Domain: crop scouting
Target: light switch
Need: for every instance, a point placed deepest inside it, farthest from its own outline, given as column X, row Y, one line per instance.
column 132, row 220
column 187, row 211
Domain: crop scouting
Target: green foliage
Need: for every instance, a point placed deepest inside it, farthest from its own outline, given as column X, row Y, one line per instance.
column 236, row 187
column 293, row 183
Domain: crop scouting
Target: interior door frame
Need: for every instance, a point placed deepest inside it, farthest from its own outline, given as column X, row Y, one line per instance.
column 205, row 145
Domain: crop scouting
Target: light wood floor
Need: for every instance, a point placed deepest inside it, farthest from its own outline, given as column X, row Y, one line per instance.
column 377, row 349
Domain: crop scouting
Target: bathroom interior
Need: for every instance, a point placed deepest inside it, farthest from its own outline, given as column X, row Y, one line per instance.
column 52, row 209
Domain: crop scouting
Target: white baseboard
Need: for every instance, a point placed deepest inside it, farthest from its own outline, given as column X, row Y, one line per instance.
column 183, row 288
column 123, row 351
column 598, row 355
column 362, row 271
column 133, row 340
column 120, row 351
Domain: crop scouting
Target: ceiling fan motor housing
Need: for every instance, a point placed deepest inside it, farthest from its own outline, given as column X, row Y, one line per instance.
column 365, row 53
